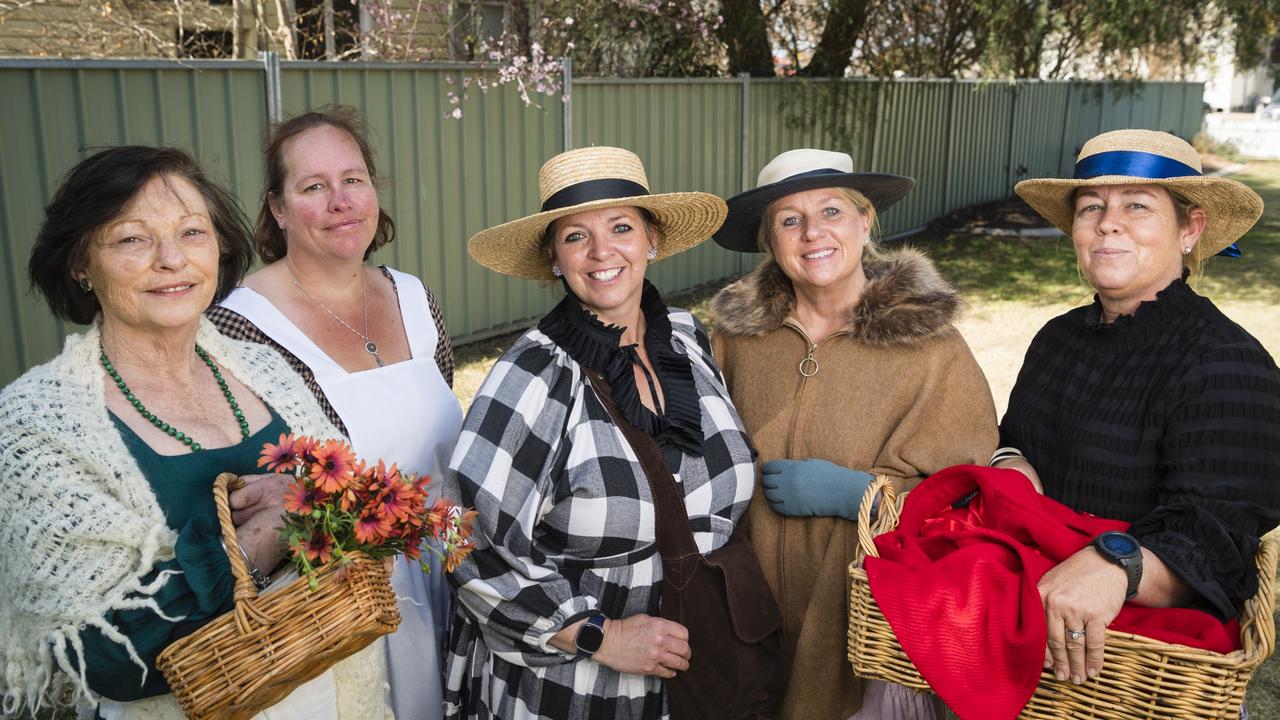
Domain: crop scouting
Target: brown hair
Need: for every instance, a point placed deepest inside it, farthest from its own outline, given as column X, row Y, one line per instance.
column 764, row 234
column 94, row 193
column 268, row 238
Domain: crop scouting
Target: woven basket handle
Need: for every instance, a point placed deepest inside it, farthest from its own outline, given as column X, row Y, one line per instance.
column 886, row 516
column 246, row 595
column 1258, row 627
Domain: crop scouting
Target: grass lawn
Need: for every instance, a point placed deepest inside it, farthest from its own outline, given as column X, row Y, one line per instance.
column 1013, row 286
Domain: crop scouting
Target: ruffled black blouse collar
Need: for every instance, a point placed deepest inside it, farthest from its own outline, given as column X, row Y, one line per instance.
column 1151, row 316
column 594, row 345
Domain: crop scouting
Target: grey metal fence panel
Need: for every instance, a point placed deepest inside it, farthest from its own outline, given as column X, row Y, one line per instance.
column 965, row 142
column 980, row 146
column 912, row 140
column 58, row 114
column 447, row 178
column 1081, row 119
column 1039, row 124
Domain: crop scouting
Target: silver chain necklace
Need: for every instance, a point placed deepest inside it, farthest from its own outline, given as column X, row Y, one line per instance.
column 369, row 346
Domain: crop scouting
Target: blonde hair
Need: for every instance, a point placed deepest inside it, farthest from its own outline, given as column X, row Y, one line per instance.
column 764, row 234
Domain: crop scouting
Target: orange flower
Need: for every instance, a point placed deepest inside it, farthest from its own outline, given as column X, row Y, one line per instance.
column 455, row 554
column 281, row 457
column 372, row 527
column 303, row 448
column 332, row 470
column 319, row 549
column 395, row 501
column 302, row 500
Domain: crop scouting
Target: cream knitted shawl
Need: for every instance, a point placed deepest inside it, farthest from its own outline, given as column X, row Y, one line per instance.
column 80, row 526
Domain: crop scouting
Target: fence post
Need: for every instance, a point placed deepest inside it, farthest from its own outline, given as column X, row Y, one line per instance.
column 566, row 65
column 744, row 152
column 875, row 129
column 1066, row 123
column 949, row 156
column 271, row 72
column 1013, row 125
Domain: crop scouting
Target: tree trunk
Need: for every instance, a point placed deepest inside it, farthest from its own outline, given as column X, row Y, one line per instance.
column 520, row 26
column 744, row 34
column 330, row 42
column 844, row 22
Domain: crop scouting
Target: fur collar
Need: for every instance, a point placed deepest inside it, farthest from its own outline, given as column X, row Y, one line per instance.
column 905, row 301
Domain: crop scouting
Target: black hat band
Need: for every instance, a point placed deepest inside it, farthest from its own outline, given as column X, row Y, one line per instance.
column 592, row 190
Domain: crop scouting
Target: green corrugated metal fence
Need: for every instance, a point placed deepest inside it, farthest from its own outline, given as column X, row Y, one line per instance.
column 965, row 142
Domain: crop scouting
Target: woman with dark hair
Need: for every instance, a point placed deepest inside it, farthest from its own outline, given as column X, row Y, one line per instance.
column 110, row 548
column 369, row 342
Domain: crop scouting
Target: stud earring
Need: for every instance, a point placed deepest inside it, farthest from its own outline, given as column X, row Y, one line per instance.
column 555, row 270
column 1186, row 251
column 86, row 284
column 653, row 253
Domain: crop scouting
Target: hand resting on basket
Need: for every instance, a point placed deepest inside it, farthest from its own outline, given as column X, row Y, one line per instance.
column 256, row 510
column 1085, row 592
column 813, row 488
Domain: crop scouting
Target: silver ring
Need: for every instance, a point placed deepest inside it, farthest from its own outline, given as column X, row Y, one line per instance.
column 1075, row 634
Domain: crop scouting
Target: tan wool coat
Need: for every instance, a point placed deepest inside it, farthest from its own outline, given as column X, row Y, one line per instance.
column 897, row 392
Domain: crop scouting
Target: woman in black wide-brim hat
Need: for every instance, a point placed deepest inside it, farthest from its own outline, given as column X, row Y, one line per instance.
column 845, row 365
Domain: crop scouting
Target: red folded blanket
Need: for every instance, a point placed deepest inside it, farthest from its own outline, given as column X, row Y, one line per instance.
column 958, row 587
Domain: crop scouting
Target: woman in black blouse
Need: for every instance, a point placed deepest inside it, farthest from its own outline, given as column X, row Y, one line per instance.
column 1149, row 405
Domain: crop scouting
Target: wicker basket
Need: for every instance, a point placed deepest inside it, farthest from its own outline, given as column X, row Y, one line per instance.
column 1140, row 678
column 251, row 658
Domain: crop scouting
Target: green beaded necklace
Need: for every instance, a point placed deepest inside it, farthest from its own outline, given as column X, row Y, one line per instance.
column 172, row 431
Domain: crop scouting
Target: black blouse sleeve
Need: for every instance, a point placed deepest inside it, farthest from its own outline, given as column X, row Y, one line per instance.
column 1220, row 462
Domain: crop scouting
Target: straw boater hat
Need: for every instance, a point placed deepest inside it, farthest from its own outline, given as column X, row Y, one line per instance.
column 1148, row 157
column 589, row 179
column 796, row 171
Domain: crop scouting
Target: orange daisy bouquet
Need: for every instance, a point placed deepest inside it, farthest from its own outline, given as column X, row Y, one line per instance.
column 338, row 504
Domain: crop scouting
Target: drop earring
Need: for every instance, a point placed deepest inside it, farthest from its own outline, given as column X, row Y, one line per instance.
column 653, row 253
column 555, row 270
column 86, row 284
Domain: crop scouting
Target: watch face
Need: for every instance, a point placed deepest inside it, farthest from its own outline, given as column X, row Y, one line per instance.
column 1119, row 544
column 590, row 638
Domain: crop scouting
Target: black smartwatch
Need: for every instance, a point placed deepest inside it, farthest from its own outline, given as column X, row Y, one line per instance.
column 1122, row 549
column 590, row 636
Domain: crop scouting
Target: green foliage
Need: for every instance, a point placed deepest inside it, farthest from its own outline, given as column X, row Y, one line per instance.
column 640, row 38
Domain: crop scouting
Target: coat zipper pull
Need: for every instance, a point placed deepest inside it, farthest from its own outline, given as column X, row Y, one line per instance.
column 809, row 365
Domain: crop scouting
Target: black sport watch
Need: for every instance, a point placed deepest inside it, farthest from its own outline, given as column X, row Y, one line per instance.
column 590, row 636
column 1122, row 549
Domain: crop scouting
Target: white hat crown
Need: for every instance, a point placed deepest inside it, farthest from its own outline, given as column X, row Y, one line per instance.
column 801, row 161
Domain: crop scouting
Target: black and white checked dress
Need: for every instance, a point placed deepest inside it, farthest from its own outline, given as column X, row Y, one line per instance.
column 566, row 524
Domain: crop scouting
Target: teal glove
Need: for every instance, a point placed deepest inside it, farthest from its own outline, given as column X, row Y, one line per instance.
column 812, row 487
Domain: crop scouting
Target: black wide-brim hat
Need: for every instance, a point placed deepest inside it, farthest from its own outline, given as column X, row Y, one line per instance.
column 796, row 171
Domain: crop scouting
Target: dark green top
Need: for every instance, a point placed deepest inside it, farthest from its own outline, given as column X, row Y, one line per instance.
column 183, row 485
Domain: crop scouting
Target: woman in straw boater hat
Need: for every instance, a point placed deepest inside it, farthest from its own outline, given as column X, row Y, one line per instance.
column 844, row 364
column 1148, row 405
column 558, row 607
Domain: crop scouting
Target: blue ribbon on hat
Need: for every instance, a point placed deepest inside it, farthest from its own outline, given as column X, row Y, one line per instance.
column 1132, row 163
column 1135, row 163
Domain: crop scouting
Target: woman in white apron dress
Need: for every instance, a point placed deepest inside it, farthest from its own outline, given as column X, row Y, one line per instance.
column 369, row 341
